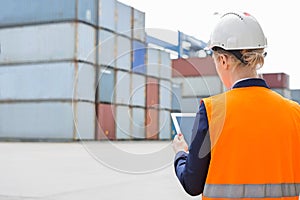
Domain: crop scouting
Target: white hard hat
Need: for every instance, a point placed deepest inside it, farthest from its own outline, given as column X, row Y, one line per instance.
column 236, row 31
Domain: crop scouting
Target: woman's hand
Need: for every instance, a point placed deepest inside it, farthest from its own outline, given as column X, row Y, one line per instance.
column 179, row 143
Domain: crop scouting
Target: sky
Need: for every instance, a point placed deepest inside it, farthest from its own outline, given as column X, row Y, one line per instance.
column 279, row 21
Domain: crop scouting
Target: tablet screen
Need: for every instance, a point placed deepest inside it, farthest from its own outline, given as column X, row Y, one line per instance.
column 183, row 123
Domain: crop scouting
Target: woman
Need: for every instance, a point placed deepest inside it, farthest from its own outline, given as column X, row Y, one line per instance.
column 246, row 141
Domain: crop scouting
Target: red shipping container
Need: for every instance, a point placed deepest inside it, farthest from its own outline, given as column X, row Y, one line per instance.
column 106, row 122
column 277, row 80
column 152, row 124
column 193, row 66
column 152, row 97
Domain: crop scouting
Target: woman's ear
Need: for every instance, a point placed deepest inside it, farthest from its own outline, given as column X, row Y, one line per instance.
column 223, row 59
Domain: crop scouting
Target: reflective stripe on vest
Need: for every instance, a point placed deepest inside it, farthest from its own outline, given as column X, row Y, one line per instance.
column 251, row 190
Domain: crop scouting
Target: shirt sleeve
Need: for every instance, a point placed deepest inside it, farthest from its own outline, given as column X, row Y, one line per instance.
column 191, row 168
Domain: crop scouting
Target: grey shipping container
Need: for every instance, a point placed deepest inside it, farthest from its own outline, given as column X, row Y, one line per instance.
column 190, row 105
column 47, row 120
column 138, row 90
column 50, row 42
column 22, row 12
column 124, row 19
column 138, row 123
column 106, row 85
column 165, row 94
column 138, row 25
column 153, row 60
column 165, row 65
column 107, row 14
column 296, row 95
column 123, row 115
column 285, row 92
column 123, row 56
column 200, row 86
column 48, row 81
column 106, row 47
column 122, row 88
column 164, row 124
column 176, row 96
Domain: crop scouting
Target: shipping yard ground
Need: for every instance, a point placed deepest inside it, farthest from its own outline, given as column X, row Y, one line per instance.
column 88, row 170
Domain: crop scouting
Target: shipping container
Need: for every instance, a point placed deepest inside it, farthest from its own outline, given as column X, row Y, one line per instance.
column 106, row 122
column 138, row 123
column 106, row 48
column 200, row 86
column 106, row 85
column 47, row 120
column 277, row 80
column 165, row 125
column 123, row 57
column 285, row 92
column 50, row 42
column 124, row 19
column 107, row 14
column 190, row 105
column 24, row 12
column 138, row 90
column 165, row 65
column 152, row 126
column 153, row 62
column 194, row 66
column 138, row 25
column 122, row 88
column 176, row 96
column 47, row 81
column 152, row 93
column 138, row 57
column 123, row 120
column 165, row 94
column 296, row 95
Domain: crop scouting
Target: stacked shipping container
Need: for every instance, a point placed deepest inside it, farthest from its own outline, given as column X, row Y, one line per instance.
column 46, row 68
column 278, row 82
column 296, row 95
column 126, row 85
column 75, row 68
column 198, row 78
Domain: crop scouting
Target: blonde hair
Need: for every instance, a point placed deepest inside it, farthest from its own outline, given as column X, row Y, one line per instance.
column 253, row 58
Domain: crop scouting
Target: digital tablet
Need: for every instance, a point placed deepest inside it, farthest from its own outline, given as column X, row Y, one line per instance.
column 183, row 123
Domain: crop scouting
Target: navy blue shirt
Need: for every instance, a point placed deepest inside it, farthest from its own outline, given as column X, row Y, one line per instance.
column 191, row 168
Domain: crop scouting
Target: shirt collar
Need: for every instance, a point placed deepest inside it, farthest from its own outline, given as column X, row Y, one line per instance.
column 249, row 82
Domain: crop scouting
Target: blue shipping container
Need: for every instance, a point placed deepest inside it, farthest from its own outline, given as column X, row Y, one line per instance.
column 138, row 57
column 106, row 85
column 21, row 12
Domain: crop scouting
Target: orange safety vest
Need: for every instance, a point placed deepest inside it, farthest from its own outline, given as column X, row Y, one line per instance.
column 255, row 145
